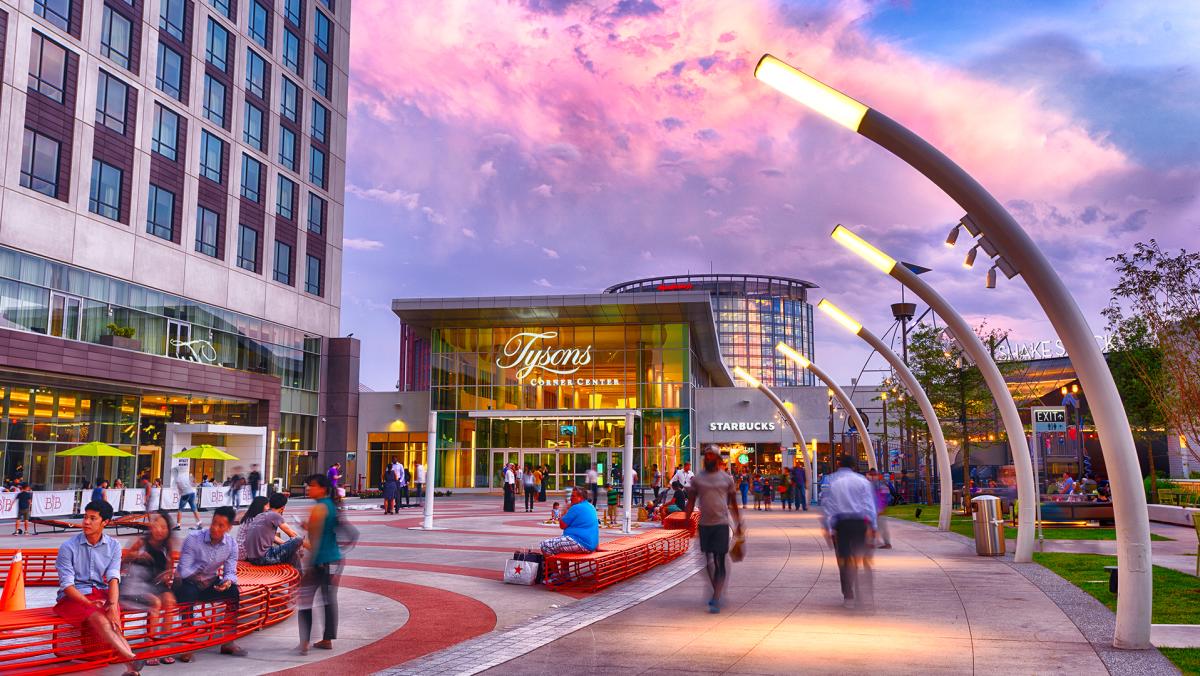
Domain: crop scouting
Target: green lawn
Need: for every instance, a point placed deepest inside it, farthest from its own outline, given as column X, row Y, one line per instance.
column 1176, row 595
column 961, row 524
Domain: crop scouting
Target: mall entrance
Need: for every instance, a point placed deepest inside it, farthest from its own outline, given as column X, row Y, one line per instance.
column 564, row 466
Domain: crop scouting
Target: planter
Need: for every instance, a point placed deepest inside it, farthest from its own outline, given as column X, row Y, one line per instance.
column 121, row 342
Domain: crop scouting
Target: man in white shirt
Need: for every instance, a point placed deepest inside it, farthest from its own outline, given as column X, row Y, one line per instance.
column 510, row 489
column 684, row 475
column 593, row 482
column 850, row 522
column 187, row 496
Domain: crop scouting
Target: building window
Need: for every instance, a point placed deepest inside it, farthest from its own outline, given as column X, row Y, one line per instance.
column 105, row 198
column 170, row 17
column 110, row 102
column 169, row 72
column 289, row 99
column 321, row 76
column 256, row 74
column 312, row 277
column 214, row 100
column 57, row 12
column 251, row 178
column 328, row 4
column 165, row 140
column 287, row 148
column 291, row 51
column 320, row 122
column 316, row 166
column 252, row 135
column 211, row 150
column 115, row 37
column 160, row 213
column 316, row 214
column 217, row 51
column 285, row 200
column 247, row 256
column 221, row 6
column 259, row 16
column 322, row 31
column 293, row 10
column 207, row 224
column 39, row 163
column 47, row 67
column 283, row 263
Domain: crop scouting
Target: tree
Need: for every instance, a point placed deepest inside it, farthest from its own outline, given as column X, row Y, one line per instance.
column 1154, row 315
column 1137, row 368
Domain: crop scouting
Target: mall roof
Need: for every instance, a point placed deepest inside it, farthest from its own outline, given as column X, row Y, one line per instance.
column 693, row 307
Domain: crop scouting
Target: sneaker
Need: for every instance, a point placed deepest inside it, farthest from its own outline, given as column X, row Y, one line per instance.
column 714, row 607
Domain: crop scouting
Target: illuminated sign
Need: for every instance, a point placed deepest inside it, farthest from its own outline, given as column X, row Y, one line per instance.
column 684, row 286
column 1049, row 419
column 1011, row 350
column 524, row 353
column 741, row 427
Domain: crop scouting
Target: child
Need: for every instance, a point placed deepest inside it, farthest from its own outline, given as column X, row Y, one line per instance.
column 613, row 497
column 758, row 492
column 555, row 513
column 24, row 505
column 768, row 493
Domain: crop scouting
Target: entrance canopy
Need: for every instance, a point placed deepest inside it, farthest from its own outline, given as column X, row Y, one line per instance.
column 550, row 414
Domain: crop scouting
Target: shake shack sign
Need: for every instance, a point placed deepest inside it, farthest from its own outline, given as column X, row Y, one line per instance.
column 741, row 427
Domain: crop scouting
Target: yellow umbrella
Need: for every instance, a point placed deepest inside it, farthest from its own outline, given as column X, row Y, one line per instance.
column 205, row 452
column 95, row 449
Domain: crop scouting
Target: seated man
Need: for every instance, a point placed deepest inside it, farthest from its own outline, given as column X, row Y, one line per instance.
column 581, row 528
column 208, row 570
column 263, row 546
column 89, row 575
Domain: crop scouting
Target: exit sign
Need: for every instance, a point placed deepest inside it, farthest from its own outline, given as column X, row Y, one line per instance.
column 1049, row 419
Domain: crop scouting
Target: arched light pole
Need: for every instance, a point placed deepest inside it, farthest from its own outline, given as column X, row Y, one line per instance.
column 783, row 411
column 1019, row 255
column 914, row 388
column 855, row 417
column 1027, row 491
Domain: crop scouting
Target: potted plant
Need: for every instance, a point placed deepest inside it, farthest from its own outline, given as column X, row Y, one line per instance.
column 121, row 336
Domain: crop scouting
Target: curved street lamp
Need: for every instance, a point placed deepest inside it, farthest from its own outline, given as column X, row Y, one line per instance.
column 855, row 417
column 1017, row 254
column 783, row 411
column 914, row 388
column 1027, row 492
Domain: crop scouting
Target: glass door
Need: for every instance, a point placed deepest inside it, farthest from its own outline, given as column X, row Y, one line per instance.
column 64, row 315
column 179, row 334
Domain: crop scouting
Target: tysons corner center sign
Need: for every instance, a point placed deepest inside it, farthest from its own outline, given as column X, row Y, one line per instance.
column 741, row 427
column 527, row 353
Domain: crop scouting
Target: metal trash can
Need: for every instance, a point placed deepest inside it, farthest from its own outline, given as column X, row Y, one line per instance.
column 989, row 526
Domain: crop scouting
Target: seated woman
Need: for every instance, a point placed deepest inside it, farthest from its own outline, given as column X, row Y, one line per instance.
column 581, row 528
column 259, row 542
column 148, row 574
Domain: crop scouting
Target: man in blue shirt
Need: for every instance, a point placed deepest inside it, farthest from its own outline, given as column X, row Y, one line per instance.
column 89, row 575
column 208, row 571
column 581, row 528
column 799, row 485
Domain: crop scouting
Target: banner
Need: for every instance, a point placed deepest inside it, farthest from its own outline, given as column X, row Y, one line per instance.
column 53, row 503
column 8, row 505
column 213, row 496
column 113, row 497
column 244, row 498
column 170, row 498
column 135, row 500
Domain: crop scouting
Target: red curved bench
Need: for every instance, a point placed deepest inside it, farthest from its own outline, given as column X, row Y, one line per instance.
column 38, row 641
column 617, row 560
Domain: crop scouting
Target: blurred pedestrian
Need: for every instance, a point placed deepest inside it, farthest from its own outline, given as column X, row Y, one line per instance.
column 592, row 478
column 149, row 573
column 255, row 481
column 882, row 495
column 849, row 506
column 187, row 496
column 715, row 492
column 323, row 567
column 799, row 484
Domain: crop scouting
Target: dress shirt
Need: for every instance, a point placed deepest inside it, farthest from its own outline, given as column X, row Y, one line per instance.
column 509, row 478
column 200, row 558
column 684, row 477
column 592, row 476
column 85, row 566
column 849, row 496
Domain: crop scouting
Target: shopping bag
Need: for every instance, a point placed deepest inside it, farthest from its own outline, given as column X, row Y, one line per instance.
column 520, row 572
column 738, row 551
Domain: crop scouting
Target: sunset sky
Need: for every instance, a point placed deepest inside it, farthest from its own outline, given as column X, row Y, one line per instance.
column 561, row 146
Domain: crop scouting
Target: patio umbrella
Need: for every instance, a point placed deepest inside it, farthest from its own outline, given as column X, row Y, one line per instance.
column 95, row 449
column 205, row 452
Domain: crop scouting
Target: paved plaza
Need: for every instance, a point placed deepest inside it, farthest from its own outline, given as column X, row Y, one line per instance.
column 430, row 602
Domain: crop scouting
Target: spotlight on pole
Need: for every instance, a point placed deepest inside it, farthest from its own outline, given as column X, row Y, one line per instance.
column 970, row 261
column 952, row 238
column 991, row 277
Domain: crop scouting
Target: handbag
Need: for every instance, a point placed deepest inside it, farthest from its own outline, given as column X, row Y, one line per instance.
column 521, row 572
column 738, row 551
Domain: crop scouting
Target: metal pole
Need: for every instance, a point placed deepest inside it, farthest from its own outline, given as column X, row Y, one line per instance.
column 931, row 419
column 847, row 404
column 787, row 415
column 430, row 471
column 627, row 473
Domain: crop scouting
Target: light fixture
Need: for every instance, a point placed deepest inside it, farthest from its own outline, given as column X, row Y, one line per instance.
column 952, row 238
column 842, row 235
column 883, row 395
column 795, row 356
column 746, row 377
column 1064, row 390
column 991, row 277
column 840, row 317
column 811, row 92
column 970, row 261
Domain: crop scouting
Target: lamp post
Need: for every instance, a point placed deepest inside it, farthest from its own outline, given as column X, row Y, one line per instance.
column 1027, row 492
column 914, row 387
column 783, row 411
column 855, row 417
column 1019, row 255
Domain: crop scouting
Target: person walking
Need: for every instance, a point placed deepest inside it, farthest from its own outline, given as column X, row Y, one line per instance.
column 324, row 565
column 187, row 496
column 744, row 487
column 419, row 475
column 510, row 489
column 543, row 477
column 255, row 481
column 850, row 522
column 402, row 486
column 882, row 496
column 714, row 490
column 684, row 475
column 656, row 478
column 799, row 482
column 147, row 575
column 529, row 484
column 592, row 478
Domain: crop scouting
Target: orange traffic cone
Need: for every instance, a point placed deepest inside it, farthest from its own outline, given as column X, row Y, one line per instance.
column 13, row 597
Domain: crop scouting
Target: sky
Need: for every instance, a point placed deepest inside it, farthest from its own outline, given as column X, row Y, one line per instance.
column 531, row 147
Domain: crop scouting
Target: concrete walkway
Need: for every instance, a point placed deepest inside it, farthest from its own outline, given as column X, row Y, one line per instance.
column 939, row 609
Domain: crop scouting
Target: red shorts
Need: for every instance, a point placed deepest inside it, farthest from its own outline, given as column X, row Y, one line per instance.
column 76, row 612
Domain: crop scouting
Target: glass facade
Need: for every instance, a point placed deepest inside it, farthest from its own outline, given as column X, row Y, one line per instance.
column 752, row 314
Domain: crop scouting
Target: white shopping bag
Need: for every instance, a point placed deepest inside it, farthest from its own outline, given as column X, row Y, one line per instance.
column 520, row 572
